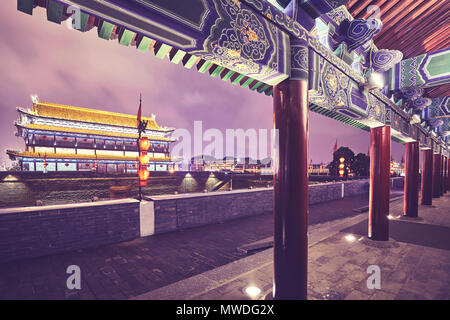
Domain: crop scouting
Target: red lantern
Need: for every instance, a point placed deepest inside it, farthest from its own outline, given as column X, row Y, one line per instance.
column 143, row 176
column 144, row 158
column 144, row 144
column 142, row 183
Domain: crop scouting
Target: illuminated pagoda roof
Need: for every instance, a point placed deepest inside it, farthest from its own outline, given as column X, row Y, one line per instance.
column 58, row 111
column 67, row 136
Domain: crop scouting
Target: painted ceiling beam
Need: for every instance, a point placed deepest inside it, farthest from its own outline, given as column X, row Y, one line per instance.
column 426, row 70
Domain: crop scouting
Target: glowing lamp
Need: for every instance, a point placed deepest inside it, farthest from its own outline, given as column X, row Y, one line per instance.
column 252, row 291
column 142, row 183
column 144, row 158
column 144, row 144
column 34, row 99
column 341, row 159
column 341, row 172
column 374, row 81
column 143, row 174
column 341, row 166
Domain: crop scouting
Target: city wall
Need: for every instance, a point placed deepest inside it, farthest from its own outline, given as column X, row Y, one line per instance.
column 18, row 189
column 37, row 231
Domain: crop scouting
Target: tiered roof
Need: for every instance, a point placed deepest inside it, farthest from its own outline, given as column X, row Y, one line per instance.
column 58, row 111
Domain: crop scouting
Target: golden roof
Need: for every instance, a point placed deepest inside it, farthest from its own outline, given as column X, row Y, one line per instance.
column 86, row 131
column 30, row 154
column 52, row 110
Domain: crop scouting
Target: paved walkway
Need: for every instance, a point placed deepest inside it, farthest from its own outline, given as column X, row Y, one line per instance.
column 128, row 269
column 416, row 266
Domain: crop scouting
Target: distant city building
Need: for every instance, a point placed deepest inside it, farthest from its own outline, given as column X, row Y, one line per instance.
column 66, row 138
column 229, row 164
column 318, row 169
column 397, row 168
column 219, row 166
column 2, row 165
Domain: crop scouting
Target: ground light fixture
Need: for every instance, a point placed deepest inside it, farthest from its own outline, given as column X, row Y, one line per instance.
column 252, row 291
column 350, row 238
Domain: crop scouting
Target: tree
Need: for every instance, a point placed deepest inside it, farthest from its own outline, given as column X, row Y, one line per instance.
column 361, row 165
column 349, row 157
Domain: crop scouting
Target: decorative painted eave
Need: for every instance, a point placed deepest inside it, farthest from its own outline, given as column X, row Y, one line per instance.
column 172, row 36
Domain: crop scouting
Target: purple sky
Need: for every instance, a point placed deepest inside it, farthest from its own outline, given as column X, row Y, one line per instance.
column 69, row 67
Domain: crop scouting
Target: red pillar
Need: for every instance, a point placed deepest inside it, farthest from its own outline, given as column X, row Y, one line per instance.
column 290, row 101
column 448, row 174
column 380, row 154
column 441, row 177
column 427, row 177
column 436, row 175
column 411, row 194
column 444, row 176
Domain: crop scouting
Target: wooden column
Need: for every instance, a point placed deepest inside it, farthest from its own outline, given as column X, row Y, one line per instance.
column 436, row 175
column 442, row 178
column 448, row 174
column 411, row 194
column 427, row 177
column 290, row 104
column 380, row 154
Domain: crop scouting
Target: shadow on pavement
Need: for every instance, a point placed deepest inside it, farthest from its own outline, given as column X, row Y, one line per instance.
column 422, row 234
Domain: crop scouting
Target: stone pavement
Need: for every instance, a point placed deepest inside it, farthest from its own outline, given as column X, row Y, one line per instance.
column 415, row 266
column 127, row 269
